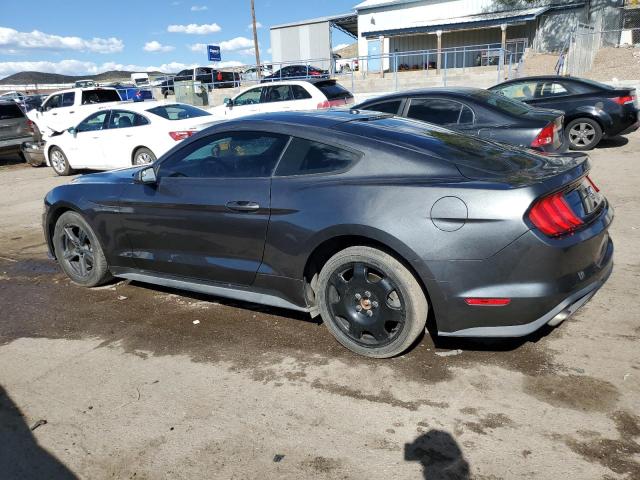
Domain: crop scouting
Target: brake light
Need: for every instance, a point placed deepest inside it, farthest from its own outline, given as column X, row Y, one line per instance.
column 624, row 99
column 30, row 126
column 553, row 216
column 334, row 103
column 324, row 104
column 182, row 134
column 545, row 137
column 487, row 302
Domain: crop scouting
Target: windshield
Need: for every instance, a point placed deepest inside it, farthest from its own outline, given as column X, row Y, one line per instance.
column 178, row 112
column 501, row 102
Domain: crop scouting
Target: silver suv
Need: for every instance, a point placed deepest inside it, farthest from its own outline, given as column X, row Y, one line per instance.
column 15, row 128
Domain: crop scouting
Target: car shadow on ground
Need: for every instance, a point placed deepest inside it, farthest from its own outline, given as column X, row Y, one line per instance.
column 613, row 142
column 10, row 159
column 440, row 456
column 20, row 455
column 439, row 342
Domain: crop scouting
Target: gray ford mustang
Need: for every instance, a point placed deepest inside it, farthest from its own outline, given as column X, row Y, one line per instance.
column 369, row 220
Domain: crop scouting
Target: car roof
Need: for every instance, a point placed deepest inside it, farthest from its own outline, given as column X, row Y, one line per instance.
column 136, row 106
column 458, row 91
column 541, row 77
column 312, row 118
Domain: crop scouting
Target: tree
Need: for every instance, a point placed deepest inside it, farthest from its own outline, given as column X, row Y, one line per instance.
column 255, row 39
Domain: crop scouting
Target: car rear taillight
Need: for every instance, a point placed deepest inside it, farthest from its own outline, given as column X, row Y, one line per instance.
column 553, row 216
column 545, row 137
column 30, row 126
column 181, row 134
column 334, row 103
column 625, row 99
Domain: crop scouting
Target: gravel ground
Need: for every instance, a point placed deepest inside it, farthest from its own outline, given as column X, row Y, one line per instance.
column 616, row 63
column 119, row 382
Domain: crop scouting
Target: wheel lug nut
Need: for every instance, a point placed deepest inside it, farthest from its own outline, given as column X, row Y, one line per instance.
column 358, row 308
column 358, row 296
column 370, row 313
column 374, row 304
column 367, row 294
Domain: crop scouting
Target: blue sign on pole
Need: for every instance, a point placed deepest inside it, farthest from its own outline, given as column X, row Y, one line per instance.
column 214, row 53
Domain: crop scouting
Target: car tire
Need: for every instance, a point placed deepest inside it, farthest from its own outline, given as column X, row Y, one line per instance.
column 59, row 162
column 143, row 156
column 371, row 303
column 583, row 133
column 78, row 251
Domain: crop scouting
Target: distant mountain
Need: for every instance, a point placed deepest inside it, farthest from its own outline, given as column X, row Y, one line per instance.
column 28, row 78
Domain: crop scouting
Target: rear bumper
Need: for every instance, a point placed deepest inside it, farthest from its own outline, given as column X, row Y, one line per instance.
column 14, row 143
column 33, row 153
column 545, row 279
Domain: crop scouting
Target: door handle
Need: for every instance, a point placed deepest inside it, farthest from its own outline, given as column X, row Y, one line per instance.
column 243, row 206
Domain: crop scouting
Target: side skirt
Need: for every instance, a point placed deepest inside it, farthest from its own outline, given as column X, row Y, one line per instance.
column 235, row 293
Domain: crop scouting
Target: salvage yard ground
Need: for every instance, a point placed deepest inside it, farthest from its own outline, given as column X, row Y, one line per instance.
column 122, row 382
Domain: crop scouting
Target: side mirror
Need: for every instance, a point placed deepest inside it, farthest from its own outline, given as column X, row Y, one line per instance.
column 147, row 176
column 73, row 131
column 228, row 102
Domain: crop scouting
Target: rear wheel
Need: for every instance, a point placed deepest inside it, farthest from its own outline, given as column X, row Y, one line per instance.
column 59, row 162
column 370, row 302
column 79, row 252
column 143, row 156
column 583, row 133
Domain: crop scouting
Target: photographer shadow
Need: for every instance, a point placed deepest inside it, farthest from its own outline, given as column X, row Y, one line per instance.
column 20, row 455
column 440, row 456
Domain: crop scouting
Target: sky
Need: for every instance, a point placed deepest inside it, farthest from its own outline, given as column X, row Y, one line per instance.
column 80, row 38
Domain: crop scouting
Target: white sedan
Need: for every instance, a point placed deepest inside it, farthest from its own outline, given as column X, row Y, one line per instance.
column 284, row 96
column 122, row 135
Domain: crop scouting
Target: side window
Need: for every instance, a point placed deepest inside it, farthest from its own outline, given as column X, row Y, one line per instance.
column 385, row 107
column 227, row 155
column 93, row 122
column 305, row 157
column 553, row 89
column 281, row 93
column 440, row 112
column 299, row 92
column 68, row 99
column 466, row 116
column 249, row 98
column 53, row 102
column 124, row 119
column 519, row 91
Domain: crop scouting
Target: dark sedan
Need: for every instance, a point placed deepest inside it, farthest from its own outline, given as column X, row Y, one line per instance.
column 369, row 220
column 593, row 110
column 292, row 72
column 474, row 111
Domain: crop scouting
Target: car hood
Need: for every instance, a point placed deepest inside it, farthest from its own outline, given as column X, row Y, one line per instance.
column 122, row 175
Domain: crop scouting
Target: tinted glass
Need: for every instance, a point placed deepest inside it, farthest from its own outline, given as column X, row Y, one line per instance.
column 440, row 112
column 307, row 157
column 125, row 119
column 519, row 91
column 466, row 116
column 249, row 98
column 385, row 107
column 68, row 99
column 10, row 110
column 281, row 93
column 333, row 90
column 229, row 155
column 177, row 112
column 300, row 93
column 552, row 89
column 501, row 103
column 93, row 122
column 99, row 96
column 53, row 102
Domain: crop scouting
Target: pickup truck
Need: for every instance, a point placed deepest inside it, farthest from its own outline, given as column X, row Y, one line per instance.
column 64, row 109
column 206, row 75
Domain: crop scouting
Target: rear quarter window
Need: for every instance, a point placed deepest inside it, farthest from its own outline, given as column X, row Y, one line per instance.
column 178, row 112
column 306, row 157
column 9, row 111
column 391, row 107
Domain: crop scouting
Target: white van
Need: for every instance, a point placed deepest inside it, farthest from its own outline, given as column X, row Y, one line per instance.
column 140, row 79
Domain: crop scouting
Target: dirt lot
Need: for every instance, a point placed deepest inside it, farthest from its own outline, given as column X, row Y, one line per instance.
column 130, row 387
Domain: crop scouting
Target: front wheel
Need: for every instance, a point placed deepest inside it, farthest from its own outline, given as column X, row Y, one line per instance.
column 59, row 162
column 143, row 156
column 78, row 251
column 371, row 302
column 583, row 133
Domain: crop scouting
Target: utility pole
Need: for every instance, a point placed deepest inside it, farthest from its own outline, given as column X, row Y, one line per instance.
column 255, row 39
